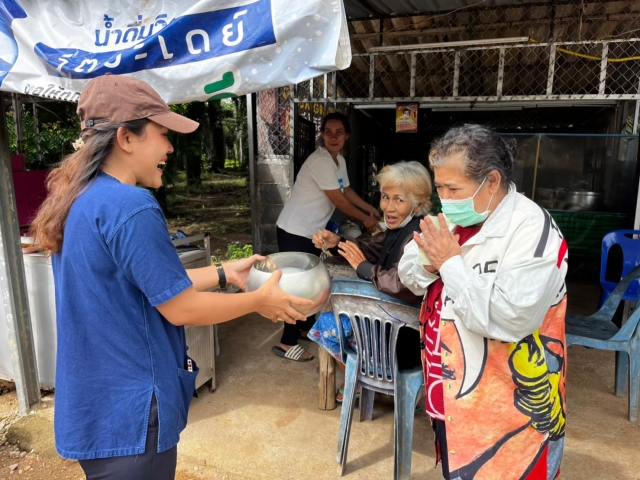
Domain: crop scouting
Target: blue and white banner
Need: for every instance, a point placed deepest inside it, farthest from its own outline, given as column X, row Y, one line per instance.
column 186, row 50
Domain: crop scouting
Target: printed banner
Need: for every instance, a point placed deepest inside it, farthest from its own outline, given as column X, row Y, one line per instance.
column 208, row 49
column 406, row 117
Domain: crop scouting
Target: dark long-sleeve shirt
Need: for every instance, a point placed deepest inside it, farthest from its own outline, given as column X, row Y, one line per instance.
column 383, row 252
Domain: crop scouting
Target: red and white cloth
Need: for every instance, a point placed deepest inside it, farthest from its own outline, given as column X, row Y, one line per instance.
column 430, row 334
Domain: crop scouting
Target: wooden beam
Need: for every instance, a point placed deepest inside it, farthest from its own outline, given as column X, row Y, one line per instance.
column 410, row 33
column 560, row 22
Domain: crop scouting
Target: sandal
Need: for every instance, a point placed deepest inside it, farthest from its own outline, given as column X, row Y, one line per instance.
column 341, row 392
column 295, row 353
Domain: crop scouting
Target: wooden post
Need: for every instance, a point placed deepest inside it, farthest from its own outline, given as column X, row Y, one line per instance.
column 327, row 382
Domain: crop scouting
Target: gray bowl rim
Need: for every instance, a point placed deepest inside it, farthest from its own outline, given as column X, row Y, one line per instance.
column 313, row 258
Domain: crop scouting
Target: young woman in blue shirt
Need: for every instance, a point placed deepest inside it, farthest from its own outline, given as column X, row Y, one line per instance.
column 124, row 381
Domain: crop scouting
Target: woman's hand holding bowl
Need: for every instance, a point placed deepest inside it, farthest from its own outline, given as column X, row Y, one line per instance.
column 237, row 272
column 276, row 304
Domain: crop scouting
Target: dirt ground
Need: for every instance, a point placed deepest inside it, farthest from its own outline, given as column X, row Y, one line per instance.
column 262, row 423
column 221, row 206
column 26, row 445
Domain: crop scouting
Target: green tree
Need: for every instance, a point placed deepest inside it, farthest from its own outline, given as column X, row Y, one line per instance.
column 59, row 128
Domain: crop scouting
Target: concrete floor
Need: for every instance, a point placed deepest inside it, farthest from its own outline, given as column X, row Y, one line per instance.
column 263, row 421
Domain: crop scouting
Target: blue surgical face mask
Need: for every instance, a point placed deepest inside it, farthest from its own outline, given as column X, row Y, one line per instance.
column 463, row 212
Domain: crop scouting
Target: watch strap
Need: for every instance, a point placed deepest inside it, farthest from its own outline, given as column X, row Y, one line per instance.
column 222, row 277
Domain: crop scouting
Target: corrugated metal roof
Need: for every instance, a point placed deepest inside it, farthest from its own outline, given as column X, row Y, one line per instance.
column 361, row 9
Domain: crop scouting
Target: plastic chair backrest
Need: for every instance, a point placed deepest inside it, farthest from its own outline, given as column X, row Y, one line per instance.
column 376, row 319
column 631, row 258
column 608, row 309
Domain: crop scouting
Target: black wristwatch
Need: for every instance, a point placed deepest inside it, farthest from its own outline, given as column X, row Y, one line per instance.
column 222, row 283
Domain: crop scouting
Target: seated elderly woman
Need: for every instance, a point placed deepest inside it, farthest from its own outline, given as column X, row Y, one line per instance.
column 493, row 324
column 405, row 191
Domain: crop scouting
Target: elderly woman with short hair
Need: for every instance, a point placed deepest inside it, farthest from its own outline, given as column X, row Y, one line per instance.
column 493, row 324
column 405, row 189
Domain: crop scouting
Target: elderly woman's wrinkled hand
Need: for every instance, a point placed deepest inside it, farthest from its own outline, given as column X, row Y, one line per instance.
column 352, row 253
column 439, row 245
column 325, row 238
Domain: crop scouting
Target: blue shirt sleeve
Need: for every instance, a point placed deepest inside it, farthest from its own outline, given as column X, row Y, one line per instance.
column 142, row 248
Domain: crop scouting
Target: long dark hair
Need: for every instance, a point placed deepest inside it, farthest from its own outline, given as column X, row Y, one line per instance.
column 66, row 182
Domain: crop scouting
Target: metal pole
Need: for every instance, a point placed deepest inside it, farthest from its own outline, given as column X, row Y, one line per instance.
column 535, row 169
column 13, row 285
column 17, row 117
column 372, row 72
column 634, row 129
column 603, row 68
column 456, row 74
column 412, row 84
column 251, row 134
column 552, row 69
column 502, row 51
column 292, row 134
column 36, row 123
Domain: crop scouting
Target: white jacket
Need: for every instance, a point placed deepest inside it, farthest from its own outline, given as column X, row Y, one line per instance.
column 508, row 275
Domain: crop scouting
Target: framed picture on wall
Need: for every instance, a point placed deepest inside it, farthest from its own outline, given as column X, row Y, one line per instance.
column 406, row 118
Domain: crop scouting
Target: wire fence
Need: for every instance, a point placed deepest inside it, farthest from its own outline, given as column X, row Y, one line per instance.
column 274, row 122
column 575, row 50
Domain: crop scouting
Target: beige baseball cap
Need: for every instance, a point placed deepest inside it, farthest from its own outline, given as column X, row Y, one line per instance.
column 119, row 98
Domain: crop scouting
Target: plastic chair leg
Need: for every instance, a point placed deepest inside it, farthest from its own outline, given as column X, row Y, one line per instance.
column 408, row 385
column 366, row 404
column 634, row 380
column 346, row 415
column 622, row 370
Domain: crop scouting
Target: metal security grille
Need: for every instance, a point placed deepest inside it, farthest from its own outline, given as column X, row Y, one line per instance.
column 576, row 50
column 305, row 142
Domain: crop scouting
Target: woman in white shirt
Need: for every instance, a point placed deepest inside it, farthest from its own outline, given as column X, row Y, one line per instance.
column 321, row 186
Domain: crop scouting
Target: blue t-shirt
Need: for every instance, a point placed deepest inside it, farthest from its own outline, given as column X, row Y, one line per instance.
column 115, row 350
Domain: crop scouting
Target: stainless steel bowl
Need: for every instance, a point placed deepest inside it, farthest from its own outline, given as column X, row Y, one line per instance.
column 581, row 201
column 303, row 275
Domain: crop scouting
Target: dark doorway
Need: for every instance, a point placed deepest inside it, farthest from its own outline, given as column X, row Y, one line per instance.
column 305, row 142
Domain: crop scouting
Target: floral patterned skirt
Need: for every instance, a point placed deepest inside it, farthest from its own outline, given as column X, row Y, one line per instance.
column 325, row 333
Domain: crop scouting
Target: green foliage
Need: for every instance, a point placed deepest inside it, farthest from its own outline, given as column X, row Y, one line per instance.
column 59, row 128
column 236, row 252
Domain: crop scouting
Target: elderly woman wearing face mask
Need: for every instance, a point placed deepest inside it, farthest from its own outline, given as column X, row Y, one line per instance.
column 405, row 190
column 493, row 323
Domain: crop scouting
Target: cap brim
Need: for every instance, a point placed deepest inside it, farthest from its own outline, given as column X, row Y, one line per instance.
column 175, row 122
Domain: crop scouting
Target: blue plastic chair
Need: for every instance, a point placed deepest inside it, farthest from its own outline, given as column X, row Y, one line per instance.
column 631, row 257
column 598, row 331
column 376, row 319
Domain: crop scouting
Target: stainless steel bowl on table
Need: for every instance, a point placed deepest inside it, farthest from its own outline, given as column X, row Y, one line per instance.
column 581, row 201
column 303, row 275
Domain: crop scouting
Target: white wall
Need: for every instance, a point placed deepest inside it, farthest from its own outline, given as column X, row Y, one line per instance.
column 40, row 288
